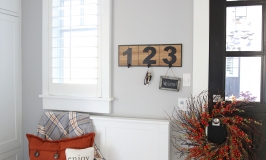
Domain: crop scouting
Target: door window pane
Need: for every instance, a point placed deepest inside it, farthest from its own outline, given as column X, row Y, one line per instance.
column 243, row 74
column 244, row 28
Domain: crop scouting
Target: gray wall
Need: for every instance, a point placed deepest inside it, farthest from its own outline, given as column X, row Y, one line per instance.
column 31, row 68
column 134, row 22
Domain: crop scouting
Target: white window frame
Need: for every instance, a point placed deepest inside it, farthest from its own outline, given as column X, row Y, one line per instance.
column 100, row 104
column 200, row 46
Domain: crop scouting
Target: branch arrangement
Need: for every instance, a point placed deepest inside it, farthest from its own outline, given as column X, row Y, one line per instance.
column 244, row 135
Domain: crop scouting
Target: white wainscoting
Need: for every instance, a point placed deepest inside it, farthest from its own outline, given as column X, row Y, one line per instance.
column 132, row 139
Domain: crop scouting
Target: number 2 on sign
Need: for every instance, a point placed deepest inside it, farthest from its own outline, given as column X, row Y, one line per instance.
column 148, row 60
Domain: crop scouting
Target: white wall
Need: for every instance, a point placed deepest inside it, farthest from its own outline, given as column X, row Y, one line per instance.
column 134, row 22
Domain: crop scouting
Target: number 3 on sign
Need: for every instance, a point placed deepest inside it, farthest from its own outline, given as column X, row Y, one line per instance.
column 155, row 55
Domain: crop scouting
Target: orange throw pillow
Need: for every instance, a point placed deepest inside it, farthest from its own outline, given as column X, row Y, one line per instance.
column 42, row 149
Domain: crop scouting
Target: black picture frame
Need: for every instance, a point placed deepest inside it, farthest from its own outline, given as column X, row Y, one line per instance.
column 170, row 83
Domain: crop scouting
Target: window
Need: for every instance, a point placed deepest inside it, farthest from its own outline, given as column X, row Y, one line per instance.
column 244, row 28
column 76, row 55
column 237, row 50
column 243, row 74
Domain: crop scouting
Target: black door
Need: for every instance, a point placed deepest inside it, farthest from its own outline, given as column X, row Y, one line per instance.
column 237, row 53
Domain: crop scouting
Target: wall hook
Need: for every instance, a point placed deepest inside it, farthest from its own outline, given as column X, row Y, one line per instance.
column 149, row 65
column 170, row 65
column 128, row 65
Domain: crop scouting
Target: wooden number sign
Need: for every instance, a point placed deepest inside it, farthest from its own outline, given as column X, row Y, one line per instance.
column 153, row 55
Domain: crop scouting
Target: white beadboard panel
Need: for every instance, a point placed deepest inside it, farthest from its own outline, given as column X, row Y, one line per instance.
column 11, row 155
column 10, row 5
column 10, row 84
column 130, row 138
column 130, row 141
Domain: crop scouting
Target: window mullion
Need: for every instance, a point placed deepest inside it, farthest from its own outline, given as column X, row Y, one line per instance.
column 70, row 41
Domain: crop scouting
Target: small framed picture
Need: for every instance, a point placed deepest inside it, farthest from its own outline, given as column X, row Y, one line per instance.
column 169, row 83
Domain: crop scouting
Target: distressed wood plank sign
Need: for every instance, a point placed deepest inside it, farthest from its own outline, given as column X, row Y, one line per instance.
column 163, row 55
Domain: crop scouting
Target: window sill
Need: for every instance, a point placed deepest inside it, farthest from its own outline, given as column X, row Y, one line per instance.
column 81, row 104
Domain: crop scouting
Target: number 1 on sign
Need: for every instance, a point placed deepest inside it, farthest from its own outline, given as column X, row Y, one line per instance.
column 128, row 52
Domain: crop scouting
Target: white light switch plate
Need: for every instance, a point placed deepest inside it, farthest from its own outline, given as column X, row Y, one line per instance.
column 182, row 104
column 186, row 79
